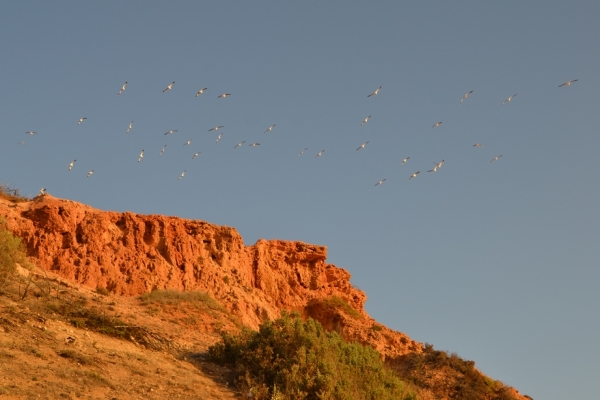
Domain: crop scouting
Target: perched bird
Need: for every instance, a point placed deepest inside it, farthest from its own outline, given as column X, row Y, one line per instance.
column 437, row 124
column 270, row 128
column 71, row 165
column 21, row 143
column 380, row 182
column 224, row 95
column 195, row 155
column 201, row 91
column 376, row 92
column 90, row 173
column 320, row 153
column 362, row 146
column 182, row 175
column 568, row 83
column 171, row 132
column 130, row 126
column 365, row 121
column 219, row 137
column 465, row 96
column 30, row 133
column 216, row 128
column 141, row 156
column 509, row 99
column 42, row 191
column 414, row 175
column 163, row 150
column 302, row 152
column 434, row 169
column 496, row 158
column 169, row 87
column 477, row 145
column 239, row 144
column 188, row 142
column 404, row 161
column 81, row 120
column 122, row 89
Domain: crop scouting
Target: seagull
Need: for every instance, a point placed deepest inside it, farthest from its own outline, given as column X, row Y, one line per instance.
column 42, row 191
column 21, row 143
column 71, row 165
column 122, row 89
column 224, row 95
column 496, row 158
column 188, row 142
column 195, row 155
column 30, row 133
column 465, row 96
column 404, row 161
column 182, row 175
column 270, row 128
column 163, row 150
column 477, row 145
column 439, row 165
column 171, row 132
column 380, row 182
column 509, row 99
column 254, row 144
column 239, row 144
column 414, row 175
column 201, row 91
column 320, row 154
column 219, row 137
column 90, row 173
column 216, row 128
column 81, row 120
column 362, row 146
column 302, row 152
column 569, row 83
column 437, row 124
column 141, row 156
column 375, row 93
column 130, row 126
column 365, row 120
column 169, row 87
column 433, row 170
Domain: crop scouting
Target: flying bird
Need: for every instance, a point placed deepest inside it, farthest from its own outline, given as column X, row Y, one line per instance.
column 320, row 153
column 477, row 145
column 188, row 142
column 90, row 173
column 201, row 91
column 21, row 143
column 195, row 155
column 71, row 165
column 509, row 99
column 130, row 126
column 362, row 146
column 122, row 89
column 223, row 95
column 270, row 128
column 439, row 165
column 169, row 87
column 404, row 161
column 81, row 120
column 365, row 120
column 254, row 144
column 141, row 156
column 569, row 83
column 216, row 128
column 219, row 137
column 239, row 144
column 163, row 150
column 414, row 175
column 302, row 152
column 182, row 175
column 496, row 158
column 30, row 133
column 380, row 182
column 171, row 132
column 465, row 96
column 433, row 170
column 437, row 124
column 376, row 92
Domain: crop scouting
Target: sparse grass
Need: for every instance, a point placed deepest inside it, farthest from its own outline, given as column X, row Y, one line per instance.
column 377, row 328
column 336, row 304
column 11, row 194
column 200, row 299
column 11, row 254
column 75, row 356
column 102, row 291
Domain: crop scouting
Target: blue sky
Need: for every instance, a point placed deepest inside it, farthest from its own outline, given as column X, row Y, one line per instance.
column 495, row 261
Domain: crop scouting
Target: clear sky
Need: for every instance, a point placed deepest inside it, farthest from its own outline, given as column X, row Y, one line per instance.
column 496, row 261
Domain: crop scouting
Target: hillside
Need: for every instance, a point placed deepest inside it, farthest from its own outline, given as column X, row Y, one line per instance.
column 125, row 255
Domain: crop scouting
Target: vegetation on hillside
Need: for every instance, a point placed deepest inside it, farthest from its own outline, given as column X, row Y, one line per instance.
column 11, row 254
column 11, row 194
column 298, row 360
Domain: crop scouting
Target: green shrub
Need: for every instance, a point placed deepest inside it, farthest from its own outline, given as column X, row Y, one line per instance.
column 296, row 360
column 336, row 304
column 11, row 253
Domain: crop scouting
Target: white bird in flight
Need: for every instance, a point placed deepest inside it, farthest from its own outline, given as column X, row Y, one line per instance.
column 30, row 133
column 496, row 158
column 141, row 156
column 90, row 173
column 376, row 92
column 130, row 126
column 302, row 152
column 320, row 153
column 270, row 128
column 81, row 120
column 223, row 95
column 163, row 150
column 465, row 96
column 122, row 89
column 404, row 161
column 439, row 165
column 568, row 83
column 182, row 175
column 380, row 182
column 216, row 128
column 21, row 143
column 169, row 87
column 434, row 169
column 365, row 120
column 71, row 164
column 239, row 144
column 509, row 99
column 171, row 132
column 437, row 124
column 201, row 91
column 254, row 144
column 414, row 175
column 477, row 145
column 219, row 137
column 195, row 155
column 188, row 142
column 362, row 146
